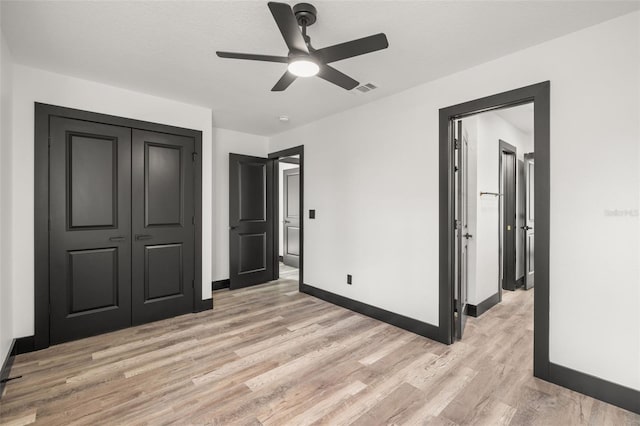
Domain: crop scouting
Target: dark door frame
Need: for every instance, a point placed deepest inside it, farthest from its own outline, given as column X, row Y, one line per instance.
column 505, row 147
column 539, row 95
column 43, row 113
column 275, row 157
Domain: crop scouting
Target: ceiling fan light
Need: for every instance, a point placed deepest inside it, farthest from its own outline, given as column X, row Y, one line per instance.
column 303, row 68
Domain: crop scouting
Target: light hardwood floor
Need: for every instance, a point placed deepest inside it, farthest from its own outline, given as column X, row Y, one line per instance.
column 270, row 355
column 288, row 272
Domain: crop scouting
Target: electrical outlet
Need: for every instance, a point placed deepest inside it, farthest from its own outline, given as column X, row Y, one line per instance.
column 348, row 279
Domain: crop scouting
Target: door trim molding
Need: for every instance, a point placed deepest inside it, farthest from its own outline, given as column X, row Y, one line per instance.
column 43, row 114
column 275, row 157
column 539, row 94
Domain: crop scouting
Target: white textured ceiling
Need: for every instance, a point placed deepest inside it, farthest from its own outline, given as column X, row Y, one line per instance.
column 168, row 48
column 520, row 117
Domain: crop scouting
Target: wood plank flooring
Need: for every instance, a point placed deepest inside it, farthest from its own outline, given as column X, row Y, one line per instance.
column 270, row 355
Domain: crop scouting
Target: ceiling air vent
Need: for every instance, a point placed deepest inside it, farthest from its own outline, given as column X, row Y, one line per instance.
column 366, row 87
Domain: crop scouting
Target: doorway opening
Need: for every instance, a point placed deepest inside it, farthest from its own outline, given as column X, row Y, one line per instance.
column 289, row 217
column 491, row 198
column 480, row 204
column 494, row 209
column 288, row 208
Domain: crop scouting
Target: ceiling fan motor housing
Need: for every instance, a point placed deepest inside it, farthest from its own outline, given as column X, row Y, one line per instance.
column 305, row 14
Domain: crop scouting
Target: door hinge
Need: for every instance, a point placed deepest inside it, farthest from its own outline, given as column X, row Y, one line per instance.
column 456, row 144
column 193, row 283
column 194, row 156
column 193, row 220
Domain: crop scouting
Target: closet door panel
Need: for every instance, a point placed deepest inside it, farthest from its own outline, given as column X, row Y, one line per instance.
column 90, row 228
column 163, row 216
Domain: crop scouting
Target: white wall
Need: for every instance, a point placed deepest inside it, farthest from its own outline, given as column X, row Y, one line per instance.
column 225, row 142
column 6, row 320
column 33, row 85
column 491, row 128
column 372, row 174
column 281, row 168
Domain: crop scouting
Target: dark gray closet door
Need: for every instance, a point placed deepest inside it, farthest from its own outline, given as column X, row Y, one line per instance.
column 90, row 228
column 163, row 229
column 291, row 217
column 250, row 221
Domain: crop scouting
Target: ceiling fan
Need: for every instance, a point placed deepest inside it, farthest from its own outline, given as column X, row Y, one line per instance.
column 303, row 60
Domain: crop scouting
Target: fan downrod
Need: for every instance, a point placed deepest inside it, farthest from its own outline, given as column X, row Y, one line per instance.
column 305, row 14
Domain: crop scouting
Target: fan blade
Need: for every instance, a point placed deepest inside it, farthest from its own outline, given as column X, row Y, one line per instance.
column 352, row 48
column 288, row 25
column 252, row 57
column 284, row 82
column 334, row 76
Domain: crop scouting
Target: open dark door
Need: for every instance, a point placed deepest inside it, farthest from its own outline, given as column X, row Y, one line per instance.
column 462, row 228
column 291, row 215
column 250, row 220
column 529, row 239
